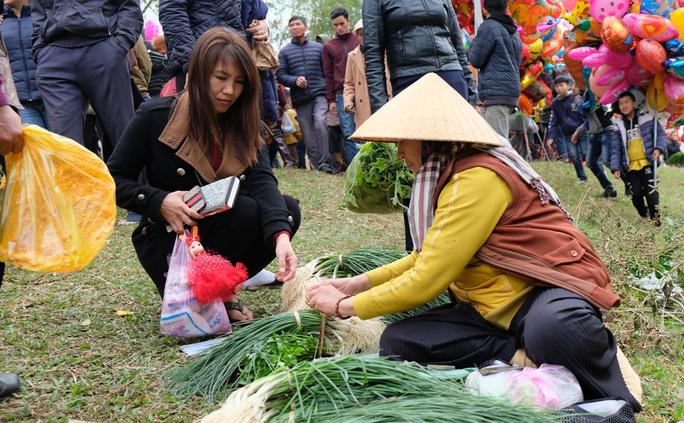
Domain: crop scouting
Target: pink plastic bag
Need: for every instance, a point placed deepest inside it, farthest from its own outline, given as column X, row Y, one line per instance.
column 182, row 315
column 549, row 386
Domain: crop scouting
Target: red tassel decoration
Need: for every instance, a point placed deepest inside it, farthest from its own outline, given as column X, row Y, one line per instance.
column 212, row 277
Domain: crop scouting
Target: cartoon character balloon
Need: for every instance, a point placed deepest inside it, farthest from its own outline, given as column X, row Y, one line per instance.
column 616, row 35
column 601, row 9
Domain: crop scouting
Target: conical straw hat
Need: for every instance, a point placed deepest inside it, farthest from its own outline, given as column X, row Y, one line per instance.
column 428, row 110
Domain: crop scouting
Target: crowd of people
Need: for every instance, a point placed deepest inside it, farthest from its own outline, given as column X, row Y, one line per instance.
column 211, row 98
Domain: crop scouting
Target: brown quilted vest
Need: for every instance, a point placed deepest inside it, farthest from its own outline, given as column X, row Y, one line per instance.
column 537, row 241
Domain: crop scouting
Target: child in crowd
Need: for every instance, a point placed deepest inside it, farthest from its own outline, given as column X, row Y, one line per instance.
column 635, row 153
column 291, row 130
column 599, row 128
column 566, row 117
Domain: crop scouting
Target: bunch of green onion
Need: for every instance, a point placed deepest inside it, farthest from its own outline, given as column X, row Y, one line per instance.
column 232, row 362
column 366, row 389
column 356, row 262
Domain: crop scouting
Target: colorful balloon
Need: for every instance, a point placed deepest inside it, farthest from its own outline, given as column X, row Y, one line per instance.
column 650, row 55
column 601, row 9
column 616, row 35
column 611, row 95
column 656, row 7
column 577, row 13
column 573, row 66
column 525, row 104
column 655, row 94
column 569, row 4
column 536, row 49
column 552, row 47
column 677, row 19
column 675, row 48
column 618, row 60
column 526, row 56
column 650, row 26
column 638, row 76
column 674, row 89
column 580, row 53
column 595, row 60
column 675, row 67
column 610, row 76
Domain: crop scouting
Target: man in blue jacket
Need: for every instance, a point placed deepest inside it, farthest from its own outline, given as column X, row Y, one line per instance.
column 81, row 50
column 301, row 69
column 497, row 53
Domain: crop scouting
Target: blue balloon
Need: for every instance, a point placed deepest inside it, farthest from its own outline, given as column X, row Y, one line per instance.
column 675, row 67
column 675, row 48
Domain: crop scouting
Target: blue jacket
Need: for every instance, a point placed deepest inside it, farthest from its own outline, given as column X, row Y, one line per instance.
column 497, row 54
column 184, row 21
column 566, row 115
column 305, row 59
column 16, row 31
column 645, row 120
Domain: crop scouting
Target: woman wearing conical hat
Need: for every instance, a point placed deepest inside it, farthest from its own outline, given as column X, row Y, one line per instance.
column 527, row 285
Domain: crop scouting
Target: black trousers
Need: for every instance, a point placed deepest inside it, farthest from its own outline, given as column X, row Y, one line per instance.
column 554, row 326
column 236, row 235
column 642, row 184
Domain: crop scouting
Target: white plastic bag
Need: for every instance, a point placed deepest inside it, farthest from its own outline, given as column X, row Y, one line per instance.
column 549, row 386
column 182, row 315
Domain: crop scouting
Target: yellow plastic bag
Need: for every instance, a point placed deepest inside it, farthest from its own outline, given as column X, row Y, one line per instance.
column 59, row 207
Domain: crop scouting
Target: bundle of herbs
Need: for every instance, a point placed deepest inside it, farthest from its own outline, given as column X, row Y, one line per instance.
column 376, row 180
column 364, row 388
column 261, row 346
column 356, row 262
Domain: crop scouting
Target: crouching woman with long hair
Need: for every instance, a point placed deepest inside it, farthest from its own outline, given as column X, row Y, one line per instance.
column 209, row 132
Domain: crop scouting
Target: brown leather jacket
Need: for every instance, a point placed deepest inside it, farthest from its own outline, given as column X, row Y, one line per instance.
column 537, row 241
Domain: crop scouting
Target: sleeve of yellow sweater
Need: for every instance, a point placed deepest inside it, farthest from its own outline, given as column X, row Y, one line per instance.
column 468, row 209
column 390, row 271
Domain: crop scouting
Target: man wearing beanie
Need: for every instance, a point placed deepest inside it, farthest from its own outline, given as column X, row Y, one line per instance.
column 497, row 53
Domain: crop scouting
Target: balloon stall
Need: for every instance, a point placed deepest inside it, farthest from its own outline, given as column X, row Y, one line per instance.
column 608, row 46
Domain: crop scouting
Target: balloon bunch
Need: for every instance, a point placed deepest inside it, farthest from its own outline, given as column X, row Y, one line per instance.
column 623, row 44
column 543, row 48
column 464, row 13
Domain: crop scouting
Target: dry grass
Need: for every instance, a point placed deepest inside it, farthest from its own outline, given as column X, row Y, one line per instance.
column 79, row 360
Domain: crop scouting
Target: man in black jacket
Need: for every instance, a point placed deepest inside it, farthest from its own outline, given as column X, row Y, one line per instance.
column 81, row 48
column 497, row 53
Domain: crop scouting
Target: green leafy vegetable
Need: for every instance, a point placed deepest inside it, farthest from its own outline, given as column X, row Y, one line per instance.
column 356, row 262
column 376, row 180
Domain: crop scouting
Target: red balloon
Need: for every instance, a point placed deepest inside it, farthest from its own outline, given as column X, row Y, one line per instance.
column 650, row 55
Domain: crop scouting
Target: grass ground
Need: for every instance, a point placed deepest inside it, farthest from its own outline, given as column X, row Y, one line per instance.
column 79, row 360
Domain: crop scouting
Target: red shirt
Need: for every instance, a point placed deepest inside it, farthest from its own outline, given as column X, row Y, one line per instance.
column 335, row 53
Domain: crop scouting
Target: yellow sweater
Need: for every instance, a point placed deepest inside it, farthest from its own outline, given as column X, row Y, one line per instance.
column 468, row 209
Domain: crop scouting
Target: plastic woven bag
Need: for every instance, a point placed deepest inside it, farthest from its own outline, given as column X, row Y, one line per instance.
column 59, row 207
column 182, row 315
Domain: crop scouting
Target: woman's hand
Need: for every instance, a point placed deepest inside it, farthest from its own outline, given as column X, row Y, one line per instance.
column 287, row 259
column 323, row 298
column 177, row 213
column 349, row 286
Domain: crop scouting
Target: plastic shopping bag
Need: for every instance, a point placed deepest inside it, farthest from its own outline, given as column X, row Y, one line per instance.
column 549, row 386
column 59, row 208
column 182, row 315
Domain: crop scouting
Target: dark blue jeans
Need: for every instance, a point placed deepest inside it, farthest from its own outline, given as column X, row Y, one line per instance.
column 598, row 154
column 574, row 152
column 453, row 78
